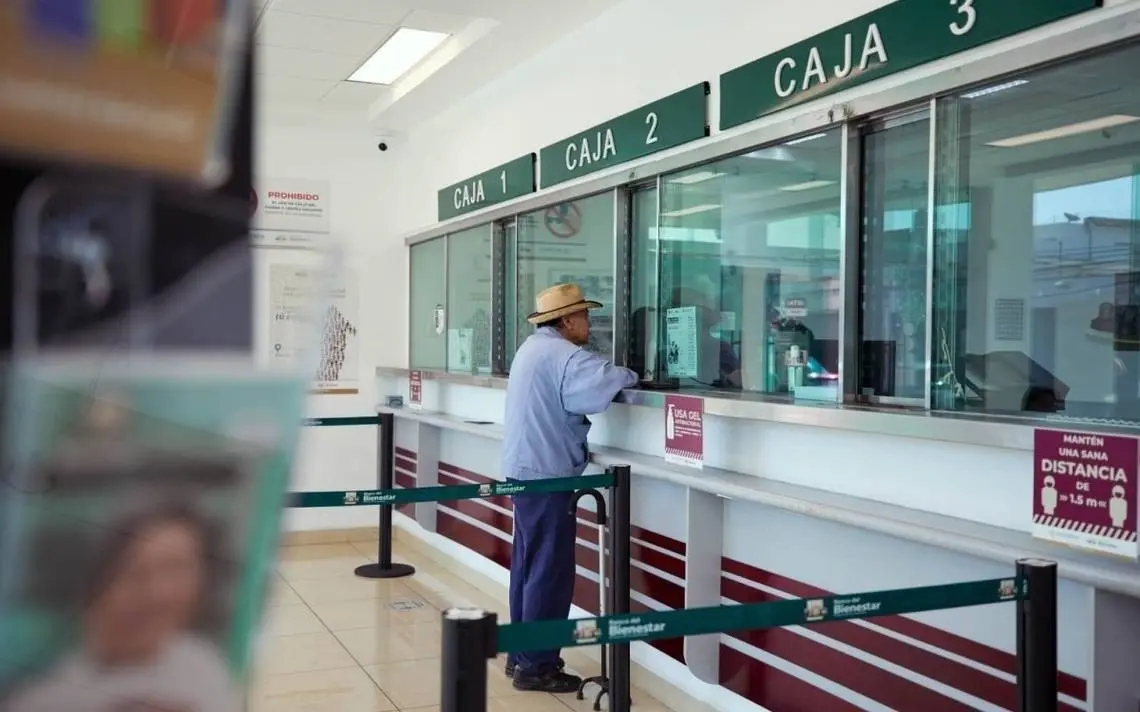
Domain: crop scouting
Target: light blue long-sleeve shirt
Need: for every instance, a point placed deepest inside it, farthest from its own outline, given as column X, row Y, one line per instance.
column 554, row 384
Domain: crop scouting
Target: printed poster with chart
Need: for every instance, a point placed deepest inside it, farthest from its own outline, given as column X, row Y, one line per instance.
column 309, row 309
column 681, row 342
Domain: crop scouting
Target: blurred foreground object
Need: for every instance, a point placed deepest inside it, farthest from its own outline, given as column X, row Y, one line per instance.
column 138, row 84
column 139, row 530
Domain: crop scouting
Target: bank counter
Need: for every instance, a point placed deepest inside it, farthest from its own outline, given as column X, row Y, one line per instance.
column 891, row 323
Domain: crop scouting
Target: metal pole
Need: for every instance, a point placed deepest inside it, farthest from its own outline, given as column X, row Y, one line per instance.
column 620, row 526
column 469, row 641
column 1037, row 637
column 386, row 455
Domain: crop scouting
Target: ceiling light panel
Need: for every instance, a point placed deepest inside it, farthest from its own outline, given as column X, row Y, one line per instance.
column 1081, row 127
column 698, row 177
column 321, row 34
column 396, row 57
column 694, row 210
column 987, row 91
column 809, row 185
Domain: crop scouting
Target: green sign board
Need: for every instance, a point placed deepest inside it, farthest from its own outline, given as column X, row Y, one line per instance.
column 664, row 124
column 498, row 185
column 898, row 36
column 652, row 625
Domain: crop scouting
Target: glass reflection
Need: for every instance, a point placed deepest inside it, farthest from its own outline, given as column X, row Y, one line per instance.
column 1038, row 282
column 748, row 290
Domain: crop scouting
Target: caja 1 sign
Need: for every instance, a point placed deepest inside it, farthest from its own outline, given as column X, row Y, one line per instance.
column 498, row 185
column 901, row 35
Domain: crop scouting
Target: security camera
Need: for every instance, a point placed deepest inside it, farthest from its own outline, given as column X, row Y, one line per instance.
column 383, row 138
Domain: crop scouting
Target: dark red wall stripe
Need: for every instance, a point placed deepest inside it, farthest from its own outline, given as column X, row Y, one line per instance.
column 1069, row 685
column 931, row 665
column 762, row 683
column 405, row 452
column 586, row 593
column 405, row 480
column 403, row 463
column 851, row 672
column 779, row 691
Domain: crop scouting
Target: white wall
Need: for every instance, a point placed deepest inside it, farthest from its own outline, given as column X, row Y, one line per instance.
column 339, row 457
column 637, row 52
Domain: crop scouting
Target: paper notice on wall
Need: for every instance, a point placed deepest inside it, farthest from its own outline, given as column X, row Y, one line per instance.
column 314, row 319
column 460, row 350
column 284, row 208
column 681, row 342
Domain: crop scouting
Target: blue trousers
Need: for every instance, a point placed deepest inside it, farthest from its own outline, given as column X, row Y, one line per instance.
column 542, row 568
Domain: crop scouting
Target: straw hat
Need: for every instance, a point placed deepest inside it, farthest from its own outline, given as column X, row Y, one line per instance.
column 559, row 301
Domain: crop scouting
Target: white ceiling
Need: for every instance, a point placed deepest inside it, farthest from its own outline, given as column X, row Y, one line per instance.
column 307, row 48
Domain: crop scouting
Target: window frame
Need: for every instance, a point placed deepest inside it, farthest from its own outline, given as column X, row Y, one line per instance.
column 1085, row 37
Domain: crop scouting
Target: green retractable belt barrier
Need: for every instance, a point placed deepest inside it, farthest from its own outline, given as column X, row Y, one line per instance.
column 349, row 420
column 545, row 635
column 471, row 636
column 363, row 498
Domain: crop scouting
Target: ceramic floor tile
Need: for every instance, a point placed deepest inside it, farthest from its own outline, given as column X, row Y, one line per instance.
column 316, row 552
column 392, row 644
column 282, row 594
column 410, row 683
column 374, row 613
column 642, row 702
column 333, row 567
column 533, row 702
column 446, row 591
column 301, row 653
column 342, row 690
column 291, row 620
column 338, row 589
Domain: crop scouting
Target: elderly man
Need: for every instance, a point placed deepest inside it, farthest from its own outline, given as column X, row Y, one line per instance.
column 554, row 385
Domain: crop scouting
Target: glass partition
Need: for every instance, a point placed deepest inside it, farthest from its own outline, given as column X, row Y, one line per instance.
column 645, row 270
column 748, row 278
column 568, row 242
column 427, row 296
column 893, row 260
column 469, row 300
column 1037, row 244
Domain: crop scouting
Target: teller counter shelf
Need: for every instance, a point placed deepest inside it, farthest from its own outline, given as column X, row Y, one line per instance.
column 948, row 533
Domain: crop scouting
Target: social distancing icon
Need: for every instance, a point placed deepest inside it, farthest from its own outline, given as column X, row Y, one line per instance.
column 1049, row 496
column 1118, row 507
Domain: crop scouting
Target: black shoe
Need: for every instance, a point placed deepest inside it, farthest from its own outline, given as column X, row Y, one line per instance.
column 555, row 682
column 510, row 668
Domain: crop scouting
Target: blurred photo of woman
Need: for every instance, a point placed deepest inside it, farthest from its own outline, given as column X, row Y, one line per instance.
column 138, row 651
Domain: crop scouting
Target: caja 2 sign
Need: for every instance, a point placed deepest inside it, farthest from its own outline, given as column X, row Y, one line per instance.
column 896, row 37
column 661, row 125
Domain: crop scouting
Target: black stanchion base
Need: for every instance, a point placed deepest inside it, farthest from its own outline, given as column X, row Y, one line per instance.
column 375, row 571
column 603, row 684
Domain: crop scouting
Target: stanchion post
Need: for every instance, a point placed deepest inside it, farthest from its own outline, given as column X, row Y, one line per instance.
column 469, row 641
column 386, row 459
column 620, row 532
column 1037, row 636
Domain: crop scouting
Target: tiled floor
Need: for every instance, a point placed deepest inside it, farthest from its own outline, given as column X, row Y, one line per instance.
column 333, row 642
